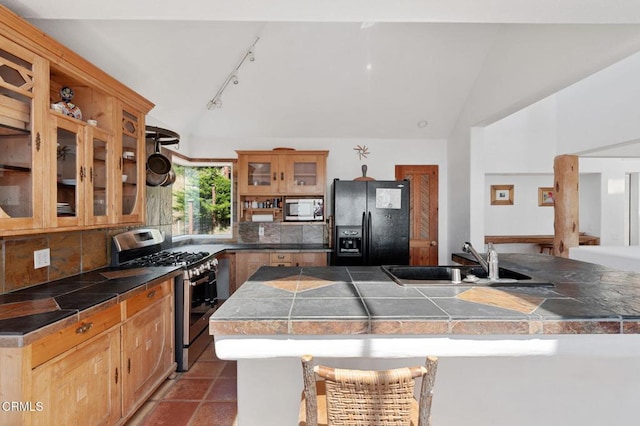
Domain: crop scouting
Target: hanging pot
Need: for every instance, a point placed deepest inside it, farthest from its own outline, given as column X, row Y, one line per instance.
column 157, row 162
column 155, row 179
column 170, row 178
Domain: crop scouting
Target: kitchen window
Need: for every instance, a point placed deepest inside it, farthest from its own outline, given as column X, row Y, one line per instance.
column 201, row 201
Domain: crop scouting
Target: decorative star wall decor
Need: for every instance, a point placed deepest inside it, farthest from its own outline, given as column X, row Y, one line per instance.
column 362, row 151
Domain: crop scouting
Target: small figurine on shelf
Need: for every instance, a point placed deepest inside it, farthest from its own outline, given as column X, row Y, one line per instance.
column 68, row 107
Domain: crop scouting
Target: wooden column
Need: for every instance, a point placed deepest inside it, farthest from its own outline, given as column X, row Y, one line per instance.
column 565, row 202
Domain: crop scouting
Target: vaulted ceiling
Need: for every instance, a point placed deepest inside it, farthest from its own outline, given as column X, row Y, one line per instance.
column 332, row 69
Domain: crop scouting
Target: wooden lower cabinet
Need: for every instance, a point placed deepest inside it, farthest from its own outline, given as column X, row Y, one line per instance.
column 81, row 386
column 309, row 258
column 97, row 371
column 147, row 345
column 247, row 263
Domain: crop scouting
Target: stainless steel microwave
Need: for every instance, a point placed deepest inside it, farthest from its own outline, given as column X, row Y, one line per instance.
column 303, row 209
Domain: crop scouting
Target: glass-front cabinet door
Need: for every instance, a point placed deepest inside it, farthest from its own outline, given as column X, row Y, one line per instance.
column 21, row 139
column 71, row 171
column 100, row 160
column 131, row 177
column 259, row 174
column 304, row 174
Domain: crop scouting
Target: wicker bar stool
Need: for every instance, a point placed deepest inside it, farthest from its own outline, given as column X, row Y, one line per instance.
column 366, row 398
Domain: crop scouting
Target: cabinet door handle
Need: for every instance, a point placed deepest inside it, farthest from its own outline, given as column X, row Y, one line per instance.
column 116, row 375
column 281, row 175
column 275, row 176
column 129, row 365
column 151, row 294
column 91, row 174
column 81, row 174
column 38, row 141
column 84, row 327
column 120, row 164
column 281, row 256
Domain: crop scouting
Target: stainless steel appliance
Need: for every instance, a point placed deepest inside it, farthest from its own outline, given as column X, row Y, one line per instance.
column 371, row 222
column 196, row 295
column 303, row 209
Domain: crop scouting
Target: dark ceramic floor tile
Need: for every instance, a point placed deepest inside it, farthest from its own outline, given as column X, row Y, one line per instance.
column 215, row 413
column 171, row 413
column 224, row 389
column 189, row 389
column 230, row 370
column 403, row 308
column 209, row 354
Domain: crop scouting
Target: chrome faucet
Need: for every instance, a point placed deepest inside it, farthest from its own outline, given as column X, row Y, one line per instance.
column 468, row 248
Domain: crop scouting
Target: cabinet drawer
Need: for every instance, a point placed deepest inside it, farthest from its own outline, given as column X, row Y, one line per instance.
column 146, row 298
column 57, row 343
column 280, row 257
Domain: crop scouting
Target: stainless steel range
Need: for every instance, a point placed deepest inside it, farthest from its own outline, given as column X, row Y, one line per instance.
column 196, row 295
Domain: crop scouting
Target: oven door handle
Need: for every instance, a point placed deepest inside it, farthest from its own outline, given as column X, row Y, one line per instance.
column 199, row 281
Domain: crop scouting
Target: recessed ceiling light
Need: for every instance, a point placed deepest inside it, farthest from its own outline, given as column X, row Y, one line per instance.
column 423, row 123
column 368, row 67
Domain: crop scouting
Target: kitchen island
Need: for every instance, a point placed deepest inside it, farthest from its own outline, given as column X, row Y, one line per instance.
column 562, row 355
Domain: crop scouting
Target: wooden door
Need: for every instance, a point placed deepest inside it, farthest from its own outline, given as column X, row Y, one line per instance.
column 423, row 229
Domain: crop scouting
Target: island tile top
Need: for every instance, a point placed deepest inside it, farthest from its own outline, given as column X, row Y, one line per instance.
column 586, row 299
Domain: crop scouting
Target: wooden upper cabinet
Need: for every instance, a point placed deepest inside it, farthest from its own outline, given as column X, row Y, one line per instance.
column 258, row 174
column 304, row 174
column 23, row 130
column 130, row 181
column 282, row 172
column 86, row 188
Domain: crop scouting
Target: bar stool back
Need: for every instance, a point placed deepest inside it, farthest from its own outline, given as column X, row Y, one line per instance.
column 344, row 397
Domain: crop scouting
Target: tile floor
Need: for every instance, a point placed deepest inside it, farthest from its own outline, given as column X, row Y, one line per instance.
column 204, row 395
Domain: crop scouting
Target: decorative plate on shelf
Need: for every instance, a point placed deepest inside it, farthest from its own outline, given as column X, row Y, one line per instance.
column 70, row 109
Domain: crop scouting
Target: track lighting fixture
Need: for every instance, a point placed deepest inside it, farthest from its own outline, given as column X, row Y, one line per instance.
column 216, row 101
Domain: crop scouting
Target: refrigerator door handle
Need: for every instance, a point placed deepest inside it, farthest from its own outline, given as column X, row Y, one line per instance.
column 368, row 260
column 363, row 233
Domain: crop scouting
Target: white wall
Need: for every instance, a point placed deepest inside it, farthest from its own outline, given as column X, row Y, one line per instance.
column 601, row 110
column 590, row 202
column 614, row 198
column 524, row 217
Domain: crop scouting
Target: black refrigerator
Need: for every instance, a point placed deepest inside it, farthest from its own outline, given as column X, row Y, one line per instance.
column 370, row 222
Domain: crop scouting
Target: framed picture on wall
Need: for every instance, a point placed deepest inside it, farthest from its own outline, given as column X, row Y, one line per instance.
column 545, row 196
column 501, row 195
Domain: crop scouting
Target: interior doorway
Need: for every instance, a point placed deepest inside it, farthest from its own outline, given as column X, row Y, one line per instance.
column 423, row 219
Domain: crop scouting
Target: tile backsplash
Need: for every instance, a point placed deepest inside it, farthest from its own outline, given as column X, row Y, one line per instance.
column 72, row 253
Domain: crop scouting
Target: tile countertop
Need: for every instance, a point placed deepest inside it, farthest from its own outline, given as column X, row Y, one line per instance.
column 43, row 309
column 586, row 299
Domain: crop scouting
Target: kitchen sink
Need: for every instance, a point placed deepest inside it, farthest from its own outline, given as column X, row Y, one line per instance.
column 471, row 275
